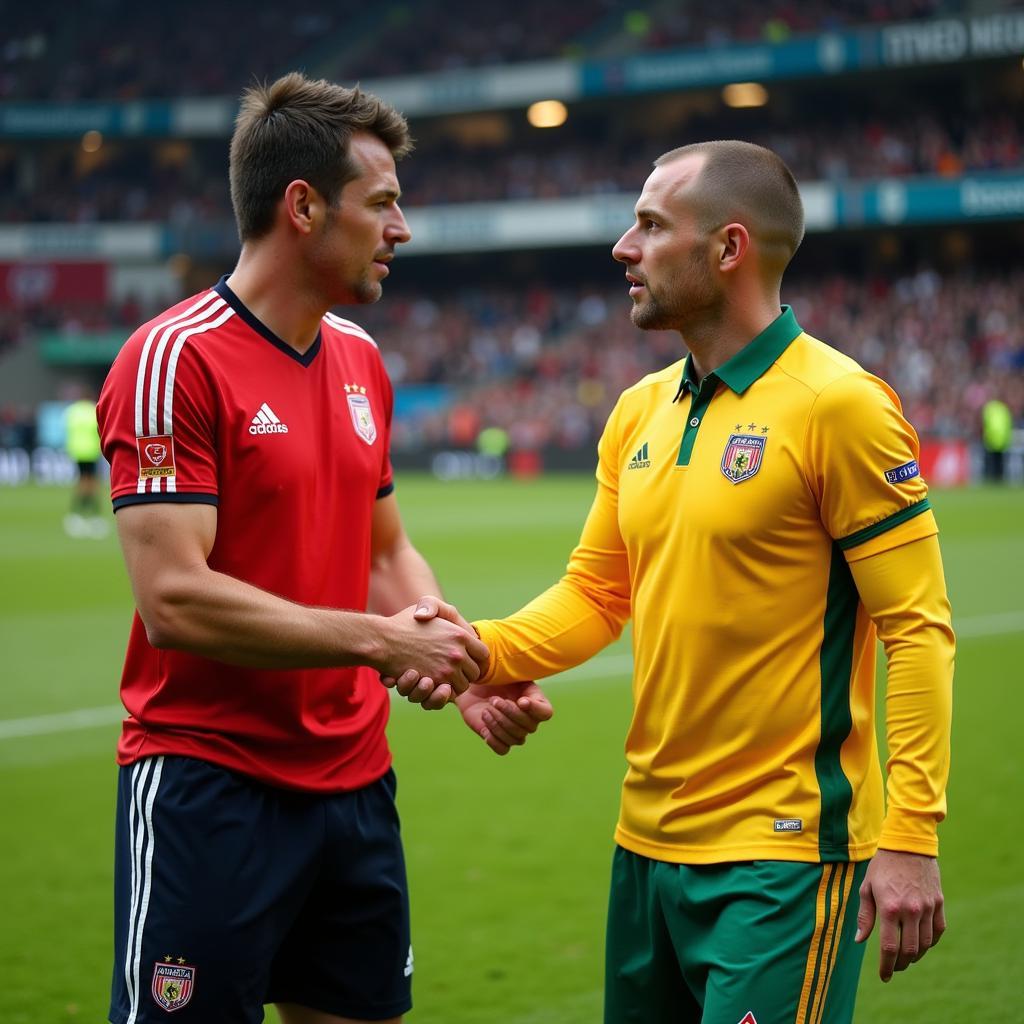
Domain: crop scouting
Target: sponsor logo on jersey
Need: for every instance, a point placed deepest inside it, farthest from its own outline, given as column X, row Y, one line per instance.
column 156, row 455
column 789, row 825
column 265, row 422
column 905, row 472
column 408, row 963
column 748, row 1018
column 640, row 460
column 174, row 981
column 742, row 457
column 361, row 412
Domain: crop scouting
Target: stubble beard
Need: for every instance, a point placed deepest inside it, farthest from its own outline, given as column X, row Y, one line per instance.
column 689, row 295
column 367, row 291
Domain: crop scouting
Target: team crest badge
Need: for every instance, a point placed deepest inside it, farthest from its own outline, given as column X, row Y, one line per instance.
column 173, row 984
column 743, row 456
column 156, row 455
column 362, row 417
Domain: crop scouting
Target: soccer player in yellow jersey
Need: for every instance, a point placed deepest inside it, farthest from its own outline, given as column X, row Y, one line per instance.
column 761, row 517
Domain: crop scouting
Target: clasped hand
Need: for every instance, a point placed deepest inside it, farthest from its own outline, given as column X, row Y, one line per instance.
column 447, row 654
column 502, row 716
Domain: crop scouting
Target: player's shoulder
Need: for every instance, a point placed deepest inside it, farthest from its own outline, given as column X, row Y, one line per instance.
column 826, row 372
column 839, row 388
column 638, row 401
column 666, row 378
column 338, row 330
column 197, row 309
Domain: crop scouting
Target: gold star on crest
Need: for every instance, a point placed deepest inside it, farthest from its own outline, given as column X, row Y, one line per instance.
column 181, row 959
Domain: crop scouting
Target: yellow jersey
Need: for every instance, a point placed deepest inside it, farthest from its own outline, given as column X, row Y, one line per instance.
column 729, row 519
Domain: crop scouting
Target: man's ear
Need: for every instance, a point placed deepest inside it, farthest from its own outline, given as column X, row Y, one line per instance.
column 734, row 243
column 300, row 205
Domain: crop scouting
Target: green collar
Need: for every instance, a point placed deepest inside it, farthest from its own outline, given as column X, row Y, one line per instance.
column 752, row 360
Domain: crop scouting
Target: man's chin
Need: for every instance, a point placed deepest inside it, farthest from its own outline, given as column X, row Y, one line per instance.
column 647, row 317
column 368, row 292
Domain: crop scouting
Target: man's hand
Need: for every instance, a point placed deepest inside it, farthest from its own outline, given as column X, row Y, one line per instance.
column 446, row 652
column 905, row 891
column 503, row 716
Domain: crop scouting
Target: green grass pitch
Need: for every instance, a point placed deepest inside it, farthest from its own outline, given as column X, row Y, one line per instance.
column 508, row 858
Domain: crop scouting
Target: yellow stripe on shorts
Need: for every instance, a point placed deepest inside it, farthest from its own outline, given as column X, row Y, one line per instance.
column 845, row 884
column 830, row 909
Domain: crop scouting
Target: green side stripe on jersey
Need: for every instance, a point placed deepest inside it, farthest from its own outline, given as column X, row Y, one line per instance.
column 870, row 532
column 836, row 719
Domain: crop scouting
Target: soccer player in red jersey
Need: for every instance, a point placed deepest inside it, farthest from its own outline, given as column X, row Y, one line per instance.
column 258, row 849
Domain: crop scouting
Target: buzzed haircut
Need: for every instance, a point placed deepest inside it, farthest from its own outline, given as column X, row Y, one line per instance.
column 300, row 128
column 751, row 185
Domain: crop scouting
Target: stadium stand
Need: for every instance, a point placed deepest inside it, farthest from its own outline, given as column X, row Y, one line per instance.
column 121, row 50
column 901, row 118
column 181, row 183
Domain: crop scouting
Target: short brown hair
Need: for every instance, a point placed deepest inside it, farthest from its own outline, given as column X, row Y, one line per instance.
column 752, row 185
column 299, row 128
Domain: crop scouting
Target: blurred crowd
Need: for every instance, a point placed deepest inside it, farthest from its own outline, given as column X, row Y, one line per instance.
column 125, row 50
column 858, row 149
column 184, row 185
column 546, row 365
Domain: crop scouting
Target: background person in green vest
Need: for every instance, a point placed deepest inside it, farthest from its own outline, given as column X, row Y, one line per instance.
column 996, row 436
column 82, row 442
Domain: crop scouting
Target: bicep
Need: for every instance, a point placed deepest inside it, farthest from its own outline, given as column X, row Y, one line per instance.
column 387, row 533
column 600, row 562
column 161, row 541
column 904, row 588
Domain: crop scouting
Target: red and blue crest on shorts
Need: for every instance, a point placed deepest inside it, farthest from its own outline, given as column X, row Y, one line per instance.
column 173, row 984
column 743, row 456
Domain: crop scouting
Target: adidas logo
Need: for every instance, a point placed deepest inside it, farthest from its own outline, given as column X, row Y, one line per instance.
column 265, row 422
column 640, row 460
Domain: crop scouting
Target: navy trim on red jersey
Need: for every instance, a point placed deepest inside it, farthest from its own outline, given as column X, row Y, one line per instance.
column 222, row 289
column 385, row 491
column 162, row 497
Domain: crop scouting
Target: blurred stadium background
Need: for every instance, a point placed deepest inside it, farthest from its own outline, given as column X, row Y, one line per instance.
column 505, row 328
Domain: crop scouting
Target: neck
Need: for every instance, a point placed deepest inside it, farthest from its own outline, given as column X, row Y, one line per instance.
column 715, row 336
column 266, row 281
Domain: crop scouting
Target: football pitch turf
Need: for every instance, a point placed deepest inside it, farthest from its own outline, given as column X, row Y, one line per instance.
column 508, row 858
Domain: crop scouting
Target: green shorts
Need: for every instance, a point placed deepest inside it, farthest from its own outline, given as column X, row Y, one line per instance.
column 755, row 942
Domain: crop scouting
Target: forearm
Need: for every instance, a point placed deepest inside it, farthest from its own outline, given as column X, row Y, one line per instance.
column 577, row 617
column 904, row 592
column 214, row 615
column 557, row 630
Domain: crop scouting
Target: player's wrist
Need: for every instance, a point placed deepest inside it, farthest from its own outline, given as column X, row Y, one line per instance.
column 364, row 640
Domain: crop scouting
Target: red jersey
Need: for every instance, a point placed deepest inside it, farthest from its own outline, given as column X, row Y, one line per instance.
column 206, row 404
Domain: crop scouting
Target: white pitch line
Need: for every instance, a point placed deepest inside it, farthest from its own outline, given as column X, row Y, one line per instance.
column 65, row 721
column 989, row 625
column 599, row 668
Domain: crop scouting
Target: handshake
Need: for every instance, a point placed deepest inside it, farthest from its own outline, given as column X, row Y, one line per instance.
column 450, row 657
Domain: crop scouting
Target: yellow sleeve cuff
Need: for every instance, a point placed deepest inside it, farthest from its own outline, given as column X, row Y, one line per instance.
column 910, row 833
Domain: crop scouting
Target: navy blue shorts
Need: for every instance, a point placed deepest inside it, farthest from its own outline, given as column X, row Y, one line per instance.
column 230, row 894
